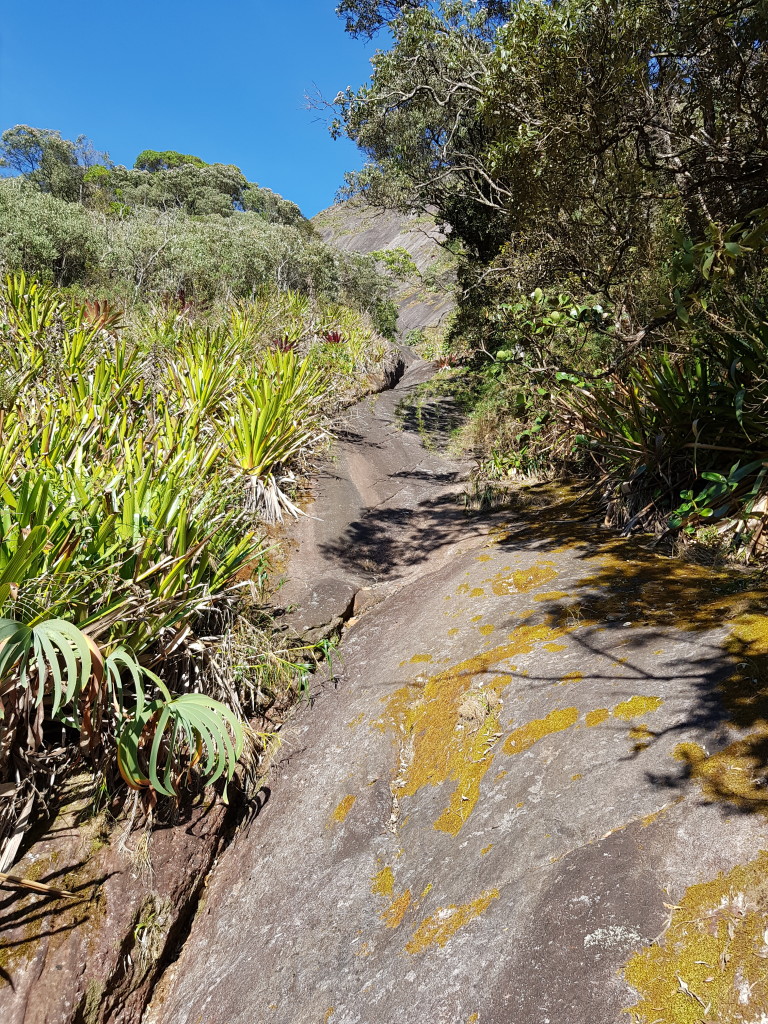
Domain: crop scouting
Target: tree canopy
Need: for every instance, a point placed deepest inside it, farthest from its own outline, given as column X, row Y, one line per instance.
column 571, row 132
column 55, row 165
column 152, row 160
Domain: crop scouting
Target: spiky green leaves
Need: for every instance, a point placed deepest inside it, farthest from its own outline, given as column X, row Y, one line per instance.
column 168, row 737
column 53, row 652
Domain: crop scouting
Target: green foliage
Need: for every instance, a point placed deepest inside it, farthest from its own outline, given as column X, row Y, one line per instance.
column 384, row 315
column 602, row 170
column 149, row 253
column 152, row 160
column 275, row 418
column 137, row 461
column 52, row 164
column 273, row 208
column 397, row 262
column 197, row 189
column 36, row 652
column 47, row 236
column 171, row 225
column 673, row 419
column 171, row 735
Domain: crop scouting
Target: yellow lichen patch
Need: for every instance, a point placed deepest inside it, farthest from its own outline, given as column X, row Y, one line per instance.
column 554, row 648
column 448, row 743
column 636, row 707
column 328, row 1014
column 420, row 659
column 735, row 775
column 524, row 738
column 466, row 590
column 343, row 809
column 479, row 719
column 571, row 677
column 473, row 1018
column 453, row 632
column 427, row 890
column 487, row 629
column 486, row 849
column 711, row 962
column 383, row 882
column 446, row 921
column 642, row 737
column 552, row 595
column 476, row 618
column 356, row 720
column 483, row 558
column 396, row 911
column 597, row 717
column 575, row 778
column 523, row 580
column 500, row 775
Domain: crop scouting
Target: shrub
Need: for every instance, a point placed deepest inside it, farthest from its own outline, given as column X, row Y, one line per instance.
column 57, row 240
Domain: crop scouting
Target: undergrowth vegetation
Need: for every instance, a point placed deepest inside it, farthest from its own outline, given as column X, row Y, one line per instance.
column 142, row 459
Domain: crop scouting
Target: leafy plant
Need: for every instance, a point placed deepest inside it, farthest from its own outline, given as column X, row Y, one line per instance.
column 275, row 419
column 128, row 547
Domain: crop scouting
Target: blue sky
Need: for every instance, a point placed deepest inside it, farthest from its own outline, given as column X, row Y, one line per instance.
column 225, row 81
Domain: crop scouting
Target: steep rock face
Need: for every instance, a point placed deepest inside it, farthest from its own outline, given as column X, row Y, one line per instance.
column 525, row 772
column 423, row 301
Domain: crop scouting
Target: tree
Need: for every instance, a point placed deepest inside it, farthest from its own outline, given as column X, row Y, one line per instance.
column 152, row 160
column 199, row 190
column 55, row 165
column 272, row 207
column 367, row 17
column 565, row 144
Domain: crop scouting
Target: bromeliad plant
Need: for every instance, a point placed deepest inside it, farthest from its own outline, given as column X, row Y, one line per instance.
column 52, row 669
column 275, row 419
column 127, row 538
column 689, row 429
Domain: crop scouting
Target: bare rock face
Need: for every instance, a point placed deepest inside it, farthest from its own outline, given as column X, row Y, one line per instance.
column 94, row 959
column 534, row 793
column 424, row 300
column 365, row 531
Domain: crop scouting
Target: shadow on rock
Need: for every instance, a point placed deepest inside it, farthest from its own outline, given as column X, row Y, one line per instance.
column 384, row 542
column 629, row 584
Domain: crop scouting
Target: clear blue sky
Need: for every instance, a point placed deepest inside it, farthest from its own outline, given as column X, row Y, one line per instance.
column 224, row 81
